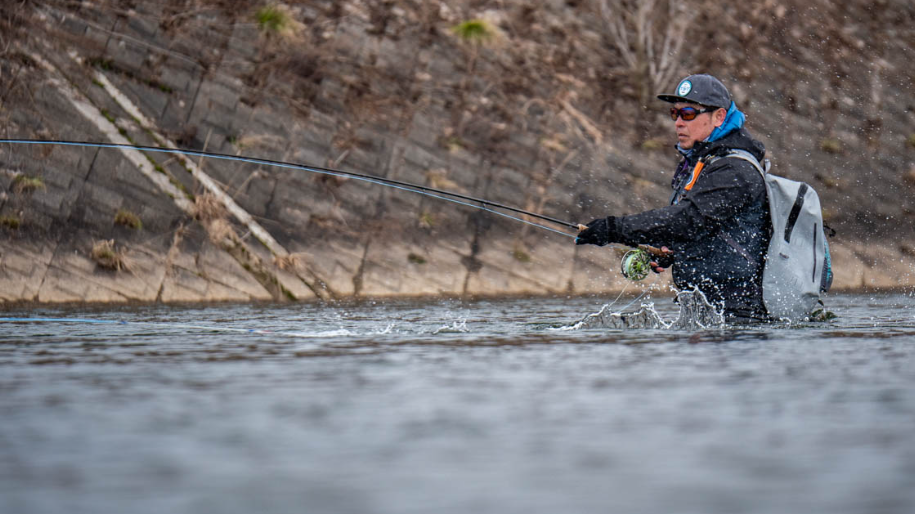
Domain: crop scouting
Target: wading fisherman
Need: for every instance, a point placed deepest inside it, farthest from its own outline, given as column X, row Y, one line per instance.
column 716, row 228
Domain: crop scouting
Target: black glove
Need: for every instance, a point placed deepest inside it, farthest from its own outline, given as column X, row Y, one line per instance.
column 661, row 262
column 598, row 232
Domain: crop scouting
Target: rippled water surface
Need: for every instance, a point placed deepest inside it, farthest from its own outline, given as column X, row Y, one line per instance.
column 454, row 407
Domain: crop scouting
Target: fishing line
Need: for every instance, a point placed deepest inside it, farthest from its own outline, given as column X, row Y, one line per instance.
column 449, row 196
column 637, row 298
column 633, row 269
column 626, row 286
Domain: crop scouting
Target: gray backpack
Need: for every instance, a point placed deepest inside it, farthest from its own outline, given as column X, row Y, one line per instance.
column 798, row 267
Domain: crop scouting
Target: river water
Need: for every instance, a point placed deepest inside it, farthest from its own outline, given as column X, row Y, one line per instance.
column 454, row 407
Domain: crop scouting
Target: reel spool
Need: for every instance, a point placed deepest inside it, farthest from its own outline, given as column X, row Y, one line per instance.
column 634, row 265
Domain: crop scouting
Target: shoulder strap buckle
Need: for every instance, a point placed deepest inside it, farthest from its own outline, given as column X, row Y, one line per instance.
column 762, row 168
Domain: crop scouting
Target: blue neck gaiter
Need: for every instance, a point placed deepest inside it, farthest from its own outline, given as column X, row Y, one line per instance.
column 733, row 121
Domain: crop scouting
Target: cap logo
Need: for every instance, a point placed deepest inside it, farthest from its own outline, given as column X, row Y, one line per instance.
column 685, row 87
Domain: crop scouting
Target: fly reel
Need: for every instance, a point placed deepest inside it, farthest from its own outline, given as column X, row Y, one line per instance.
column 635, row 264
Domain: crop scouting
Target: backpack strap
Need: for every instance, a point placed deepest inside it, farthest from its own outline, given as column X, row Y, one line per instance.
column 746, row 156
column 763, row 169
column 740, row 154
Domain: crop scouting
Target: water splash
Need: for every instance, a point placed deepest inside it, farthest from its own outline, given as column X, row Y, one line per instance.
column 340, row 332
column 456, row 327
column 696, row 313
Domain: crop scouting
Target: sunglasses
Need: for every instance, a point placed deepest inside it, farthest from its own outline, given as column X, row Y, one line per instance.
column 688, row 113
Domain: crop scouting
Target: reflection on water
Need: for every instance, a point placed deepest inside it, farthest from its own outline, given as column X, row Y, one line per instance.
column 445, row 406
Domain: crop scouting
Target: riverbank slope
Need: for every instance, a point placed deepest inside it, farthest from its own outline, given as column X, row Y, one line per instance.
column 544, row 111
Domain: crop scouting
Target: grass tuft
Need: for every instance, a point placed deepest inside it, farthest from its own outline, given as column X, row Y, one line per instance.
column 830, row 145
column 108, row 116
column 653, row 145
column 286, row 262
column 554, row 143
column 207, row 207
column 474, row 31
column 416, row 259
column 520, row 255
column 453, row 144
column 426, row 220
column 276, row 20
column 108, row 257
column 270, row 18
column 220, row 231
column 128, row 219
column 10, row 222
column 439, row 180
column 26, row 184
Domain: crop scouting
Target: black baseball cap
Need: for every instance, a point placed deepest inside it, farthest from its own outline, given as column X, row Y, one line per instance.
column 701, row 89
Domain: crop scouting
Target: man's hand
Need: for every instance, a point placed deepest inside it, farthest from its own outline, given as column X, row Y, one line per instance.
column 663, row 261
column 595, row 233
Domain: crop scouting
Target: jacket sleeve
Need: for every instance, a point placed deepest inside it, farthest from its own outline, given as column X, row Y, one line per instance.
column 722, row 191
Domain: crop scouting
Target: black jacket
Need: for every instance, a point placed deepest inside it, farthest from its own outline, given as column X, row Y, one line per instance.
column 718, row 231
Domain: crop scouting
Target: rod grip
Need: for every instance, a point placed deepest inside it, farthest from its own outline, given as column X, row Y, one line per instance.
column 654, row 252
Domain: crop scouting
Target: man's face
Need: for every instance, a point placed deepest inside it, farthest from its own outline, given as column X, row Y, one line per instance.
column 689, row 132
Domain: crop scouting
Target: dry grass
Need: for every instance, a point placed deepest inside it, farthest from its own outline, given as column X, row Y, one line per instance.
column 286, row 262
column 257, row 140
column 107, row 256
column 208, row 208
column 212, row 214
column 219, row 229
column 554, row 143
column 439, row 180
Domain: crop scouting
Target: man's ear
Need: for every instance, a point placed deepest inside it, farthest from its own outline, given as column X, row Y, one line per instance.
column 720, row 115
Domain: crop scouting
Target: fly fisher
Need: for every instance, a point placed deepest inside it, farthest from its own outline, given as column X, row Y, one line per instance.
column 728, row 227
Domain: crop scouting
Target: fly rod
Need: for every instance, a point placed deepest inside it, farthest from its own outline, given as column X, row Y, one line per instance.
column 634, row 264
column 417, row 188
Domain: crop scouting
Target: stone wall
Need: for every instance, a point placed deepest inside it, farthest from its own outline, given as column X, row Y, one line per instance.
column 396, row 99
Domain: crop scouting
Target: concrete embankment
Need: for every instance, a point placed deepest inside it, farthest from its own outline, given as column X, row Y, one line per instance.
column 113, row 225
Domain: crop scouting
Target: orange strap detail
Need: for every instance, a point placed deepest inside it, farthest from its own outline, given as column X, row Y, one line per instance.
column 696, row 171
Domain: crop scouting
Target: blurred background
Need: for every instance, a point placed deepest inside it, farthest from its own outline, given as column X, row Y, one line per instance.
column 547, row 106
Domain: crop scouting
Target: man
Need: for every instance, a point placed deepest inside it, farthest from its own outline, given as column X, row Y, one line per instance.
column 716, row 228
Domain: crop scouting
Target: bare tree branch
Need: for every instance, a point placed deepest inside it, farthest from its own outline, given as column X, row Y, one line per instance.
column 649, row 36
